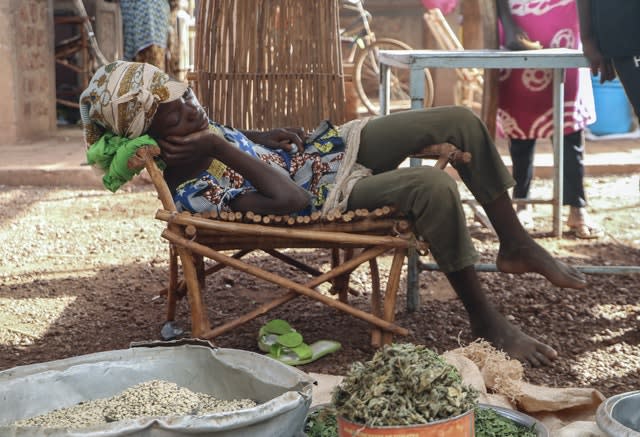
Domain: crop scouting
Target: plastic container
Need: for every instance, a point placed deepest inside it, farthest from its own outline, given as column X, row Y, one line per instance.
column 613, row 111
column 619, row 415
column 283, row 393
column 458, row 426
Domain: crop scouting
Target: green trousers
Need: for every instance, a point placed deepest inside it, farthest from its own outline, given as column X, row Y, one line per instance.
column 428, row 195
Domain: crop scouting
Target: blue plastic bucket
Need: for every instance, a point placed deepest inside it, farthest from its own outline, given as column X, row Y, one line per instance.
column 613, row 110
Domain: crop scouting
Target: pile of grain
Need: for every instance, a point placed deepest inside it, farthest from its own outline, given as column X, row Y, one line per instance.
column 149, row 399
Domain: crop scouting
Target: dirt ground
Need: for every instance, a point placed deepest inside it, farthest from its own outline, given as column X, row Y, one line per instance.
column 81, row 272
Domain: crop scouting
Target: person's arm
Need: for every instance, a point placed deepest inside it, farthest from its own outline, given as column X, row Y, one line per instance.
column 276, row 192
column 586, row 25
column 288, row 139
column 514, row 37
column 590, row 47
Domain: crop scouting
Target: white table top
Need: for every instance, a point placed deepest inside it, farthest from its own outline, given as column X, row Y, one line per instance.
column 545, row 58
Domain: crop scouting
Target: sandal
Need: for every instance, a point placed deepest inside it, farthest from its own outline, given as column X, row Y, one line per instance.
column 285, row 344
column 582, row 226
column 587, row 231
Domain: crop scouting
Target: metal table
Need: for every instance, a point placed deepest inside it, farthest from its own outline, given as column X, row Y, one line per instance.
column 417, row 60
column 556, row 59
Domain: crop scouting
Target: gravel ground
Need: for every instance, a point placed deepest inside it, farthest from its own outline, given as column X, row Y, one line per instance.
column 81, row 272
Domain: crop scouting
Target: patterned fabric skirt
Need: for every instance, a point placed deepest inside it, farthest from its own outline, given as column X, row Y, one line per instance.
column 145, row 24
column 525, row 105
column 154, row 55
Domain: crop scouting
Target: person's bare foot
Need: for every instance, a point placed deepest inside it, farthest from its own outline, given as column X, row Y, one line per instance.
column 529, row 256
column 503, row 335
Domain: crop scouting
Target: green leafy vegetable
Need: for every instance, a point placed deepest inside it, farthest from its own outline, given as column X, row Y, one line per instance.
column 488, row 423
column 491, row 424
column 321, row 423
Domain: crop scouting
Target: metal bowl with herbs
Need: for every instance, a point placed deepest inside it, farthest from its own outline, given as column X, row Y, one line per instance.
column 408, row 385
column 402, row 385
column 490, row 421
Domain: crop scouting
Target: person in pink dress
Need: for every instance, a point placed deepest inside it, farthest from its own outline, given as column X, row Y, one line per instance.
column 525, row 103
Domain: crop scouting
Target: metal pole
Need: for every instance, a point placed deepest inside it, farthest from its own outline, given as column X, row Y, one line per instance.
column 592, row 270
column 384, row 90
column 558, row 148
column 416, row 91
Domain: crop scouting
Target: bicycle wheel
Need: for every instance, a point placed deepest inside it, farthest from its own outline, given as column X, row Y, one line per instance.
column 367, row 82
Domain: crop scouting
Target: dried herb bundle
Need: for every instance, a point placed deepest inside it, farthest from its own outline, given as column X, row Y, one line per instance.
column 403, row 384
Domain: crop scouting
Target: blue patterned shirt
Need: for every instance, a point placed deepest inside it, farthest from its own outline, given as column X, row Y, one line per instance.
column 313, row 169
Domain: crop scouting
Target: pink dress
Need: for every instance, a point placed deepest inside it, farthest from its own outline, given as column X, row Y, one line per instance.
column 525, row 105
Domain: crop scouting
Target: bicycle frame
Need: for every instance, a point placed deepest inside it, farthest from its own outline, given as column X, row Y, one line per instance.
column 358, row 32
column 363, row 56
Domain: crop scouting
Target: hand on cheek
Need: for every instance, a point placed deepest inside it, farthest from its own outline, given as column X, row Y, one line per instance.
column 175, row 155
column 181, row 150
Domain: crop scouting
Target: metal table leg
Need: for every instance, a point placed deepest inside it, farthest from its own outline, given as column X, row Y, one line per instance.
column 558, row 149
column 385, row 85
column 416, row 91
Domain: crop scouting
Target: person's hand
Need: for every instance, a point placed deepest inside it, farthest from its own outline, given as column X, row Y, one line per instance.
column 517, row 39
column 281, row 138
column 598, row 62
column 179, row 151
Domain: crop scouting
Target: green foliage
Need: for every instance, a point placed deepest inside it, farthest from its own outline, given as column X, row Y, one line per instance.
column 403, row 384
column 491, row 424
column 488, row 423
column 321, row 423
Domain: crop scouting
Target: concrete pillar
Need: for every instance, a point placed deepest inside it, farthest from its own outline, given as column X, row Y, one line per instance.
column 27, row 88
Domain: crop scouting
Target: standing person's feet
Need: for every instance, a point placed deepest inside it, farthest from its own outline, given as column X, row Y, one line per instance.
column 582, row 225
column 525, row 216
column 528, row 256
column 497, row 330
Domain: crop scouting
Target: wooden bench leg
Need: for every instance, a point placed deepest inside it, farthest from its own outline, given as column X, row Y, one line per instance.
column 376, row 302
column 173, row 284
column 391, row 295
column 341, row 283
column 199, row 320
column 199, row 263
column 187, row 246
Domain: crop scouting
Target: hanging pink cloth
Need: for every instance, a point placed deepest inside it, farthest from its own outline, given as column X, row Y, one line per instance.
column 445, row 6
column 525, row 105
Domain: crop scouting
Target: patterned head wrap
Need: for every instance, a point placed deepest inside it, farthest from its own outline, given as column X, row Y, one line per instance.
column 122, row 99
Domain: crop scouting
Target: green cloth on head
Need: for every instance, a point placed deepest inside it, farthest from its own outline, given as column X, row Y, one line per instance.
column 111, row 154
